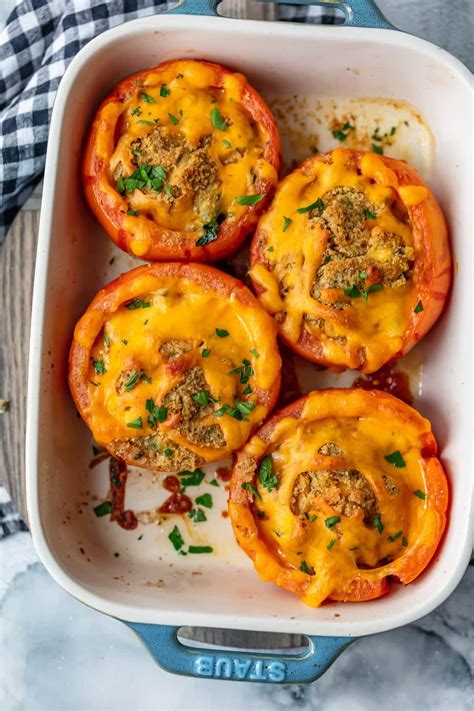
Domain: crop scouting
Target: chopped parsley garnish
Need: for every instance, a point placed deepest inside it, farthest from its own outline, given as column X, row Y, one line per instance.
column 377, row 149
column 189, row 478
column 363, row 275
column 218, row 120
column 169, row 191
column 98, row 365
column 124, row 341
column 250, row 487
column 312, row 517
column 210, row 231
column 331, row 543
column 138, row 304
column 340, row 133
column 157, row 414
column 394, row 536
column 316, row 205
column 147, row 123
column 136, row 424
column 421, row 494
column 418, row 307
column 248, row 390
column 286, row 223
column 214, row 482
column 205, row 352
column 173, row 119
column 378, row 523
column 306, row 569
column 244, row 407
column 151, row 177
column 133, row 213
column 203, row 398
column 404, row 542
column 221, row 332
column 168, row 452
column 176, row 538
column 200, row 549
column 396, row 459
column 136, row 111
column 245, row 371
column 393, row 130
column 270, row 249
column 254, row 352
column 352, row 291
column 132, row 381
column 136, row 153
column 138, row 82
column 227, row 143
column 106, row 338
column 331, row 521
column 250, row 199
column 197, row 515
column 103, row 509
column 266, row 476
column 146, row 97
column 204, row 500
column 145, row 377
column 369, row 215
column 164, row 91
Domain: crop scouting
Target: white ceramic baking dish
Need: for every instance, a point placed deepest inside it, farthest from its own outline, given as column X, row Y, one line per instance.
column 143, row 585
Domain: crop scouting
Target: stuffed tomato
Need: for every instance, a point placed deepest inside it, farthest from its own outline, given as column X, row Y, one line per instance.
column 352, row 259
column 173, row 365
column 181, row 160
column 339, row 492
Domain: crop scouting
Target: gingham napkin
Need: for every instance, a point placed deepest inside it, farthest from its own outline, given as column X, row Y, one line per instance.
column 36, row 45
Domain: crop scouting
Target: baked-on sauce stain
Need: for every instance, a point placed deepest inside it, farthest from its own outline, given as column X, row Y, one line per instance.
column 177, row 503
column 118, row 472
column 389, row 380
column 224, row 473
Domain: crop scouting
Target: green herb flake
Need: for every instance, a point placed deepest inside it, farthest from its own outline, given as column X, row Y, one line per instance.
column 200, row 549
column 202, row 398
column 205, row 500
column 189, row 478
column 164, row 91
column 266, row 477
column 316, row 205
column 421, row 494
column 97, row 450
column 396, row 459
column 138, row 304
column 227, row 143
column 286, row 223
column 404, row 542
column 270, row 249
column 205, row 352
column 211, row 230
column 394, row 536
column 138, row 82
column 157, row 414
column 250, row 487
column 369, row 215
column 106, row 338
column 419, row 307
column 245, row 371
column 176, row 538
column 312, row 517
column 136, row 112
column 132, row 381
column 103, row 509
column 377, row 149
column 250, row 199
column 168, row 452
column 146, row 97
column 221, row 332
column 331, row 521
column 244, row 407
column 140, row 537
column 254, row 352
column 214, row 482
column 331, row 543
column 197, row 515
column 174, row 120
column 378, row 524
column 124, row 341
column 393, row 130
column 339, row 135
column 248, row 390
column 136, row 424
column 306, row 569
column 218, row 120
column 98, row 365
column 146, row 123
column 352, row 291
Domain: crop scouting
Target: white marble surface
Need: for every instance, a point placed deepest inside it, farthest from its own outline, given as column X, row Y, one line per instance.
column 56, row 654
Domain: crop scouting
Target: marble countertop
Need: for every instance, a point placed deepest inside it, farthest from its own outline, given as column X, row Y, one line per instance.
column 57, row 654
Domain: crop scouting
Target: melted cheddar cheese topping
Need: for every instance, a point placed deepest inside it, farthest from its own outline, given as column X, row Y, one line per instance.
column 330, row 546
column 358, row 320
column 188, row 123
column 131, row 367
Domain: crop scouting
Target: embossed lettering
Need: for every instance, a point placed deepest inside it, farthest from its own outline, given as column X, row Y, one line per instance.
column 204, row 666
column 258, row 673
column 276, row 671
column 241, row 667
column 223, row 667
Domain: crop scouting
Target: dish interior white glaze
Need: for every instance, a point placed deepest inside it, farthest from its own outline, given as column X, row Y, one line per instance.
column 148, row 581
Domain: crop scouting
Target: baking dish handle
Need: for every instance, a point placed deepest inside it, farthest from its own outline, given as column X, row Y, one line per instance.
column 236, row 665
column 358, row 13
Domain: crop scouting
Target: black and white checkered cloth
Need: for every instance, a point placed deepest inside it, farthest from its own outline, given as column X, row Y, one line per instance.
column 36, row 45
